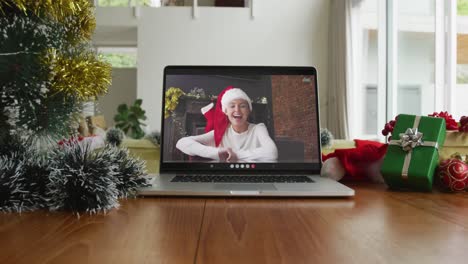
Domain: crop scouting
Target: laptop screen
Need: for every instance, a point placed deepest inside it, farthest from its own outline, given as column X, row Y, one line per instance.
column 253, row 118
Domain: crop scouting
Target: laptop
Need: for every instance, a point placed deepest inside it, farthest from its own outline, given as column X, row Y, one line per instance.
column 241, row 131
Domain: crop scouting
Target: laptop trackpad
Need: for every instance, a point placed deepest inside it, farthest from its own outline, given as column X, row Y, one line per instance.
column 244, row 187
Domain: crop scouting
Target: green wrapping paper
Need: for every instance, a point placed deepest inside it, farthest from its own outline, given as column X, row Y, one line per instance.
column 420, row 151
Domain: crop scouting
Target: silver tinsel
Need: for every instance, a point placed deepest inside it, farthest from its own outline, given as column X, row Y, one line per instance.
column 23, row 177
column 114, row 136
column 130, row 172
column 326, row 138
column 82, row 180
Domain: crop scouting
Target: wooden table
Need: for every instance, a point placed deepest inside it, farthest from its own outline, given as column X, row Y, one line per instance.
column 376, row 226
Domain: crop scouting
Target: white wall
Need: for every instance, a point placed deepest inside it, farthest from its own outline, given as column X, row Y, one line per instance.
column 122, row 90
column 291, row 34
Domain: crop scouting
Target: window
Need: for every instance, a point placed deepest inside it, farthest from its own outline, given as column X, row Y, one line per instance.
column 461, row 90
column 407, row 57
column 114, row 2
column 414, row 76
column 119, row 57
column 127, row 2
column 368, row 54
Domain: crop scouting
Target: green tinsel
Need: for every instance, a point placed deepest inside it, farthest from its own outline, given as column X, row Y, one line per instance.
column 77, row 15
column 114, row 136
column 81, row 180
column 73, row 177
column 23, row 179
column 130, row 172
column 55, row 117
column 23, row 78
column 11, row 144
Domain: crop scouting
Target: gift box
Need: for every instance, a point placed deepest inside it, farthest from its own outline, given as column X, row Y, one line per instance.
column 455, row 142
column 412, row 155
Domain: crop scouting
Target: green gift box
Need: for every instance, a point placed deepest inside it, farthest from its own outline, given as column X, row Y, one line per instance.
column 412, row 155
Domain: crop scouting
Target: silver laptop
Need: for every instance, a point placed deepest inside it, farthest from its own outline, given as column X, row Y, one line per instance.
column 241, row 131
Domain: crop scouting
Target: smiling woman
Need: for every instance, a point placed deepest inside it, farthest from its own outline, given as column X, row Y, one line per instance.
column 230, row 137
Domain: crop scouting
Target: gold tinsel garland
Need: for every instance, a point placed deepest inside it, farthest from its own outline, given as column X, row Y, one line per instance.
column 84, row 77
column 76, row 14
column 172, row 96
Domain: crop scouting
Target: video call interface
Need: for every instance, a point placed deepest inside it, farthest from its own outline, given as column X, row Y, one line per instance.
column 240, row 118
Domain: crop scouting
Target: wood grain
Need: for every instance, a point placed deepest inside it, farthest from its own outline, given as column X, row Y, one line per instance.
column 376, row 226
column 148, row 230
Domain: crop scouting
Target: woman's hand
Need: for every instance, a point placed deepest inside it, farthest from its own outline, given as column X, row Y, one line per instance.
column 223, row 154
column 227, row 154
column 232, row 155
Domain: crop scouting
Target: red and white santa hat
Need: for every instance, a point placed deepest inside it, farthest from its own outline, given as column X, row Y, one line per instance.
column 233, row 94
column 215, row 118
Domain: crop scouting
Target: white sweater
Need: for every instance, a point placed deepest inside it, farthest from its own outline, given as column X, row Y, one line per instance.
column 252, row 145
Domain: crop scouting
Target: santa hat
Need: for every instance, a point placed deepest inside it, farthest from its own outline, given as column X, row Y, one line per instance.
column 215, row 118
column 233, row 94
column 360, row 163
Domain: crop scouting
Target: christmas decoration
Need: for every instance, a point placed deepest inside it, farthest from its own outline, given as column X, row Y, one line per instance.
column 75, row 176
column 11, row 183
column 23, row 179
column 453, row 175
column 450, row 123
column 197, row 93
column 95, row 142
column 358, row 164
column 232, row 94
column 326, row 137
column 47, row 71
column 35, row 170
column 215, row 118
column 73, row 74
column 114, row 136
column 172, row 96
column 81, row 180
column 129, row 171
column 13, row 145
column 75, row 13
column 412, row 154
column 462, row 157
column 47, row 68
column 455, row 142
column 333, row 168
column 463, row 124
column 388, row 128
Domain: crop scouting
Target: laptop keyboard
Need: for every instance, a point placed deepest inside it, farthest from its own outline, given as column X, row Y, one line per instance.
column 242, row 179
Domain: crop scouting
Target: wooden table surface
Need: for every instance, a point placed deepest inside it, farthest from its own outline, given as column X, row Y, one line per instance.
column 376, row 226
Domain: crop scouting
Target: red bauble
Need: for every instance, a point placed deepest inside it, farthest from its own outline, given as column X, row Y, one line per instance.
column 463, row 124
column 453, row 175
column 463, row 128
column 464, row 120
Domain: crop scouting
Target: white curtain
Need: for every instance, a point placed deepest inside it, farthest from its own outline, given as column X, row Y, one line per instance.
column 337, row 105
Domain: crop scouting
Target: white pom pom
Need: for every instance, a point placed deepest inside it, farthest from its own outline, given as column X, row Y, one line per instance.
column 373, row 171
column 333, row 169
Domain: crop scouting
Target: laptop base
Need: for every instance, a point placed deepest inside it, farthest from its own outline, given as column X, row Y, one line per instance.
column 320, row 187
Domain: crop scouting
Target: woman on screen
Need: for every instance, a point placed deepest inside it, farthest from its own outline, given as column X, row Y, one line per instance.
column 229, row 136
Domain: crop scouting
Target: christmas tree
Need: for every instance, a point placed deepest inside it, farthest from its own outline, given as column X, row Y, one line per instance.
column 47, row 70
column 47, row 67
